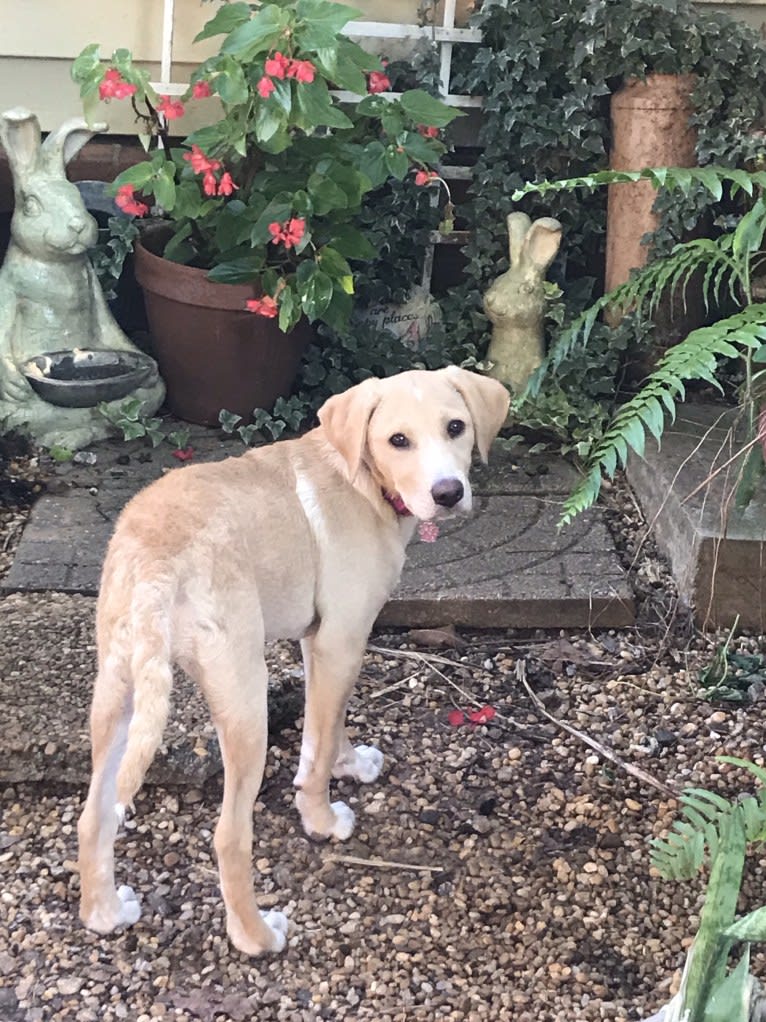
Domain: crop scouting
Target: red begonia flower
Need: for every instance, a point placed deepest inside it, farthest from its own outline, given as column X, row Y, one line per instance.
column 301, row 71
column 276, row 66
column 114, row 87
column 428, row 130
column 265, row 306
column 422, row 177
column 378, row 82
column 127, row 203
column 293, row 232
column 209, row 183
column 171, row 109
column 265, row 87
column 200, row 163
column 124, row 89
column 275, row 230
column 226, row 185
column 201, row 90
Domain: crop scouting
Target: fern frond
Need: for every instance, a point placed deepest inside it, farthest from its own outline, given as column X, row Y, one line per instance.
column 681, row 178
column 696, row 357
column 645, row 287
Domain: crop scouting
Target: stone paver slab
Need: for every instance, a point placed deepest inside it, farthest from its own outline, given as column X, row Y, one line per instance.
column 483, row 571
column 717, row 551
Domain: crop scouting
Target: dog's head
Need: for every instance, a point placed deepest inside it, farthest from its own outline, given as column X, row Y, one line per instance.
column 414, row 434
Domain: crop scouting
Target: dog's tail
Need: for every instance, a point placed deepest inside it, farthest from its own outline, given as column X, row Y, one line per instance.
column 151, row 670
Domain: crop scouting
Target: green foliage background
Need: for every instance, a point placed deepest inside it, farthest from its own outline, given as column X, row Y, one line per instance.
column 546, row 70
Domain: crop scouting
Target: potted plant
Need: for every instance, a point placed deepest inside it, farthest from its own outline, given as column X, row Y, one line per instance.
column 260, row 208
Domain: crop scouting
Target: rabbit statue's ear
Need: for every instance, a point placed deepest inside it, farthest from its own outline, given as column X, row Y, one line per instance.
column 64, row 144
column 518, row 224
column 20, row 136
column 542, row 243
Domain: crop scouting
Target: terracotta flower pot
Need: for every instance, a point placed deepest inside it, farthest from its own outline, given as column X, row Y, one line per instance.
column 211, row 351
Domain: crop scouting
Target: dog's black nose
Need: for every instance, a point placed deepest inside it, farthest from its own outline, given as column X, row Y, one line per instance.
column 447, row 492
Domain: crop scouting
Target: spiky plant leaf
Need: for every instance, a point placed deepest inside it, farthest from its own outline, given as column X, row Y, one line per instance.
column 694, row 358
column 730, row 1000
column 749, row 928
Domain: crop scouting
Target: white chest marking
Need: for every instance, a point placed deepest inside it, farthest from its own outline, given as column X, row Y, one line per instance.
column 307, row 496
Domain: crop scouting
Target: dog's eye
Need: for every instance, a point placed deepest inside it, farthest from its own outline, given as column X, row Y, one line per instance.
column 398, row 440
column 455, row 427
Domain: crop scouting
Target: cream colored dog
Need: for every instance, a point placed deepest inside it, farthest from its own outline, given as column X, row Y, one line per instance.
column 303, row 539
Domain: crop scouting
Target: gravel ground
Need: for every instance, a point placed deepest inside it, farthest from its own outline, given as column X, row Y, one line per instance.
column 533, row 899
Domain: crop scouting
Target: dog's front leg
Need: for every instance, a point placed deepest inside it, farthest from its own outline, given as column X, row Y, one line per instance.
column 331, row 665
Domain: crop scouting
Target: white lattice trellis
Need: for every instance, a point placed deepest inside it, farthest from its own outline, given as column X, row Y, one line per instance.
column 445, row 35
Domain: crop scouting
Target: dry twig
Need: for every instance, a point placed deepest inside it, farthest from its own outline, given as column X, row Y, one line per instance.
column 357, row 860
column 602, row 750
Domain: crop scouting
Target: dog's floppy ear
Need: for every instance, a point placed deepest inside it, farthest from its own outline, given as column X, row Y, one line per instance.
column 487, row 401
column 345, row 418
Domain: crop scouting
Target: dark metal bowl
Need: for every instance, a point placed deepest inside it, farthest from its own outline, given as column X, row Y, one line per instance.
column 82, row 378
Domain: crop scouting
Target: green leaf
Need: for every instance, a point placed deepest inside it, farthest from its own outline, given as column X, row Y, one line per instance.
column 355, row 54
column 228, row 420
column 239, row 271
column 337, row 68
column 424, row 109
column 333, row 263
column 315, row 107
column 397, row 163
column 277, row 211
column 749, row 928
column 139, row 175
column 164, row 186
column 230, row 83
column 269, row 119
column 322, row 22
column 132, row 430
column 257, row 35
column 351, row 243
column 234, row 225
column 178, row 249
column 290, row 310
column 730, row 1000
column 420, row 149
column 338, row 312
column 325, row 194
column 315, row 289
column 60, row 453
column 86, row 63
column 226, row 19
column 373, row 163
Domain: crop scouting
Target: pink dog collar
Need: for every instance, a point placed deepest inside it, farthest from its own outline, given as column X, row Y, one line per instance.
column 397, row 504
column 428, row 531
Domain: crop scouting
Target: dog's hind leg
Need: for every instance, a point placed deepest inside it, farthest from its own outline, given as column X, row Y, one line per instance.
column 102, row 907
column 331, row 664
column 234, row 677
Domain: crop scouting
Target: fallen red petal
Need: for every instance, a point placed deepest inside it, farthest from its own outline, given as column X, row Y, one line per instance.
column 456, row 717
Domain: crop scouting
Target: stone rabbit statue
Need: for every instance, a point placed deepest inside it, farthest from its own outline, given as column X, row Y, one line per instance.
column 515, row 302
column 50, row 297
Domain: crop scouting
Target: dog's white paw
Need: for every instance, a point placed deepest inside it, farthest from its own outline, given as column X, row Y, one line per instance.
column 277, row 923
column 365, row 765
column 344, row 821
column 124, row 909
column 131, row 906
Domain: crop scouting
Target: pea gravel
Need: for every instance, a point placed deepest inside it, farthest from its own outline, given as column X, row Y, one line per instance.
column 538, row 904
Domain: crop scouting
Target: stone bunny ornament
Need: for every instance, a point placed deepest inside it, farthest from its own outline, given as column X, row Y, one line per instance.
column 515, row 302
column 50, row 297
